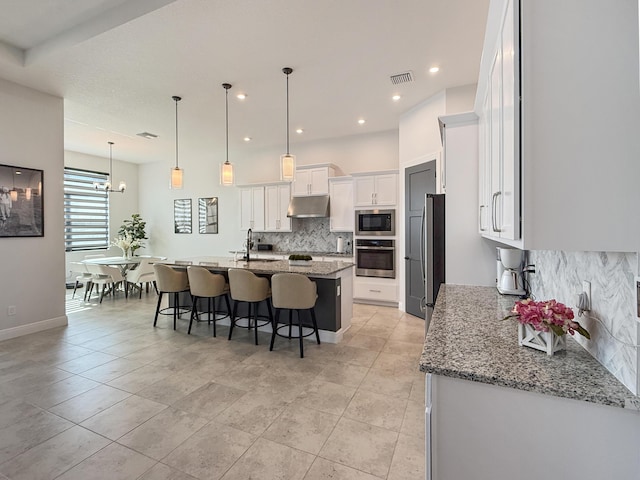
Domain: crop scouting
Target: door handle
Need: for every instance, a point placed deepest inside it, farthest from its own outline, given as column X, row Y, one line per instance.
column 407, row 258
column 422, row 239
column 482, row 229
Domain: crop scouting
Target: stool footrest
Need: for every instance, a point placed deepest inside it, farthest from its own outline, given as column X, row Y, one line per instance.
column 169, row 310
column 295, row 328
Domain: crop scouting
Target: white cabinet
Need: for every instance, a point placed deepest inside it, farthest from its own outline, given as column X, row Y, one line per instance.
column 559, row 135
column 499, row 208
column 312, row 180
column 341, row 216
column 252, row 208
column 276, row 202
column 375, row 189
column 505, row 433
column 376, row 291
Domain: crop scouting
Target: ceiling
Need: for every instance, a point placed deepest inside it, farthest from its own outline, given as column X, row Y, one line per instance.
column 117, row 63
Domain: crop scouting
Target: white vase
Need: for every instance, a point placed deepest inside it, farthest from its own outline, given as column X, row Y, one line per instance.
column 547, row 342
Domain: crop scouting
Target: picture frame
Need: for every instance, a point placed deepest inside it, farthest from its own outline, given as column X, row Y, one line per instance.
column 208, row 215
column 182, row 215
column 21, row 202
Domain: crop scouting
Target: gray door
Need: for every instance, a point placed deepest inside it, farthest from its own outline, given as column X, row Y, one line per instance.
column 418, row 181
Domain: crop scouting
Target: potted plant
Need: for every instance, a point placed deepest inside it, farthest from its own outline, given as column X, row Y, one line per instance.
column 300, row 260
column 133, row 228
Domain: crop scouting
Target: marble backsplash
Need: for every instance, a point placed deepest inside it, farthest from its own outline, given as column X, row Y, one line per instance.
column 560, row 274
column 308, row 235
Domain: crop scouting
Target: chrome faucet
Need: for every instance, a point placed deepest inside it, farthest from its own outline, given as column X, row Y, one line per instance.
column 249, row 241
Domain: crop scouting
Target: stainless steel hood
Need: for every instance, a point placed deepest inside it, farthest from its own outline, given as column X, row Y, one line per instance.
column 309, row 207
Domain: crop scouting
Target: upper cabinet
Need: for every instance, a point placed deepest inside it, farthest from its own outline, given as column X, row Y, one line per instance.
column 341, row 210
column 558, row 132
column 276, row 204
column 375, row 189
column 252, row 208
column 312, row 180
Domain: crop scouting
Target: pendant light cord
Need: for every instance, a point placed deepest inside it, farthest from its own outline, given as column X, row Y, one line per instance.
column 176, row 100
column 287, row 114
column 226, row 108
column 110, row 160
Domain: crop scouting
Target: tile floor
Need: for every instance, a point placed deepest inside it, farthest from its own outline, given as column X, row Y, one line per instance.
column 111, row 397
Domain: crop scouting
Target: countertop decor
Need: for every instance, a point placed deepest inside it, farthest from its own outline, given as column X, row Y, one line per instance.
column 543, row 325
column 468, row 339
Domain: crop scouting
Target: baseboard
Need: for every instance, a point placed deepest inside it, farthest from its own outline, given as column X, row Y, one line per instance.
column 34, row 327
column 367, row 301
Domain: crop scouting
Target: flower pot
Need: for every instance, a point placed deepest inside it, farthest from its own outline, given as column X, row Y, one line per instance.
column 544, row 341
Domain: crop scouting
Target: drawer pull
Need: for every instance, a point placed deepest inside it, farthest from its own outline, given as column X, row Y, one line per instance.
column 376, row 291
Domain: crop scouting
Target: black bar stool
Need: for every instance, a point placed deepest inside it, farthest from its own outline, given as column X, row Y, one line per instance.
column 204, row 284
column 249, row 288
column 173, row 282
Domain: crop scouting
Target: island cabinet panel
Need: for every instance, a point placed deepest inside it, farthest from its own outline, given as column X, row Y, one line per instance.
column 482, row 431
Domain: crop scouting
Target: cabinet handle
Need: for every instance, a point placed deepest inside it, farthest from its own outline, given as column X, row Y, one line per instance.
column 493, row 211
column 375, row 291
column 428, row 427
column 482, row 229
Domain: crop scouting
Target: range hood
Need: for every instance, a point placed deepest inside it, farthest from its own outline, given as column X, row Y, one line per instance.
column 316, row 206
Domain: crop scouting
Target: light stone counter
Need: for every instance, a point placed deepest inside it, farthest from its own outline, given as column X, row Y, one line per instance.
column 468, row 339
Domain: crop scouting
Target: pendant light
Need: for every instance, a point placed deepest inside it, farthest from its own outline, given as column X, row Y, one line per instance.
column 176, row 172
column 226, row 168
column 106, row 186
column 287, row 161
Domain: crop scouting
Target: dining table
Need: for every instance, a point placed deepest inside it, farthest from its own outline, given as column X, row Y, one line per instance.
column 123, row 263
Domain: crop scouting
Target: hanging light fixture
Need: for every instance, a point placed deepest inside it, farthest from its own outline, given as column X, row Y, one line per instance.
column 287, row 161
column 226, row 168
column 176, row 172
column 106, row 186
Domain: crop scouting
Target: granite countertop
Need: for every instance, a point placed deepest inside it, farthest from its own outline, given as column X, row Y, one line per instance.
column 468, row 339
column 314, row 269
column 298, row 252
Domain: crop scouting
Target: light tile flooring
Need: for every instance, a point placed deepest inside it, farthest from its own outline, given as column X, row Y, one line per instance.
column 111, row 397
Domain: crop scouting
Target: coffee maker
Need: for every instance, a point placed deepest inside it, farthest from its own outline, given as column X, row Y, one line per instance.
column 510, row 280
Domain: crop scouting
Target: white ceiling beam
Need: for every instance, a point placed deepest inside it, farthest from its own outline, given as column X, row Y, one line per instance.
column 106, row 21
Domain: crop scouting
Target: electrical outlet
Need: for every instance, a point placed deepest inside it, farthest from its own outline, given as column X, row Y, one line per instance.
column 11, row 310
column 586, row 288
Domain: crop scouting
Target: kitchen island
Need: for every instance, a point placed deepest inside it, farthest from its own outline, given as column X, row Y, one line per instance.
column 495, row 410
column 334, row 280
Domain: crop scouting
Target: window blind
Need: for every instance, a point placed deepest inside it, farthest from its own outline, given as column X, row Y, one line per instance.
column 86, row 211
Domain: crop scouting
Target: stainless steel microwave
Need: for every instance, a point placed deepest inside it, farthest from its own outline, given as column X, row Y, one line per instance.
column 376, row 222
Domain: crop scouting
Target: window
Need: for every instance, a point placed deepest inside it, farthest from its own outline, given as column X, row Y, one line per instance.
column 86, row 211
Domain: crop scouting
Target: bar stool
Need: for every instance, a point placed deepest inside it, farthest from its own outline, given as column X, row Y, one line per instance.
column 293, row 291
column 172, row 281
column 249, row 288
column 204, row 284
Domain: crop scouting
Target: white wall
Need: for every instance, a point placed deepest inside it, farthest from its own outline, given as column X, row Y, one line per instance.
column 31, row 135
column 121, row 205
column 461, row 99
column 357, row 153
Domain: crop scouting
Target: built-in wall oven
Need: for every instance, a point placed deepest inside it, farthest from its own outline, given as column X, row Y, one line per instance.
column 375, row 258
column 376, row 223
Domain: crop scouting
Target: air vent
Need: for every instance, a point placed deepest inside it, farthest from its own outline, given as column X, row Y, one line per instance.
column 404, row 77
column 147, row 135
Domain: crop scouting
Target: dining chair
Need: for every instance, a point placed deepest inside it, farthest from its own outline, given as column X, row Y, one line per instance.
column 83, row 277
column 143, row 273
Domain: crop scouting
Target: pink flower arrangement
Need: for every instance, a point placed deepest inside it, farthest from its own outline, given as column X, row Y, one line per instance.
column 547, row 315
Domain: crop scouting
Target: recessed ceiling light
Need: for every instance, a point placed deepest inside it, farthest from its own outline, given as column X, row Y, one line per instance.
column 299, row 130
column 362, row 121
column 241, row 96
column 434, row 69
column 247, row 139
column 395, row 98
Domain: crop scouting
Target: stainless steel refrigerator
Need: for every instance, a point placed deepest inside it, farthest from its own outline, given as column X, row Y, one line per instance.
column 433, row 259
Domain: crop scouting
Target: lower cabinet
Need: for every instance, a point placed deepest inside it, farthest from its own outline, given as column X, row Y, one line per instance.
column 482, row 431
column 375, row 290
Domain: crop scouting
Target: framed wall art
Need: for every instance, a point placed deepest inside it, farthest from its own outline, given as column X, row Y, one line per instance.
column 208, row 215
column 182, row 215
column 21, row 202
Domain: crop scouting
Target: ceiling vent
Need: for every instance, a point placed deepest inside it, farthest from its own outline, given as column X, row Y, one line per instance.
column 404, row 77
column 147, row 135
